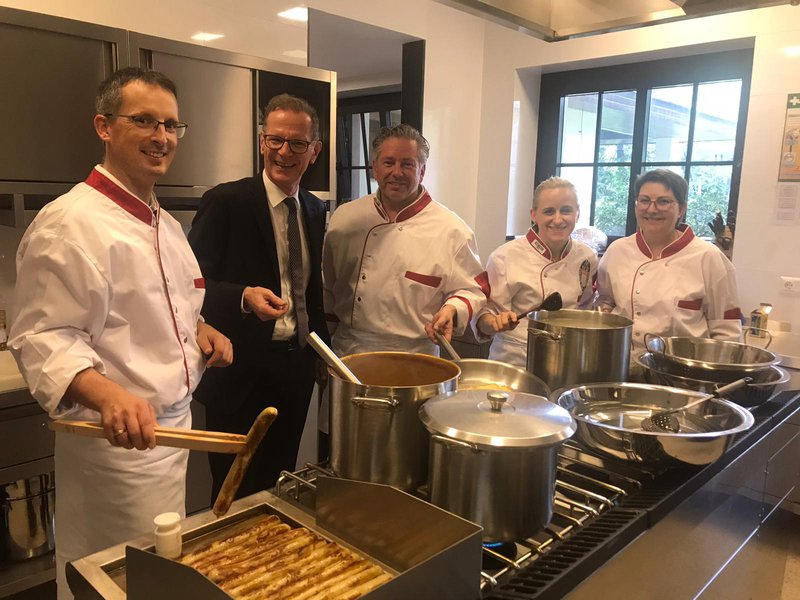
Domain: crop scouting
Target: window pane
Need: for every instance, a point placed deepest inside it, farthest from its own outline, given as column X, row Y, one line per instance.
column 579, row 122
column 357, row 157
column 359, row 183
column 394, row 117
column 616, row 126
column 668, row 123
column 709, row 190
column 581, row 178
column 611, row 203
column 715, row 124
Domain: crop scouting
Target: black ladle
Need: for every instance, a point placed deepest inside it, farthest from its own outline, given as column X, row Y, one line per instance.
column 551, row 302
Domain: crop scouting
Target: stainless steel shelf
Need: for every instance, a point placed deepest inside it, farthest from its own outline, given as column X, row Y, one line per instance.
column 16, row 577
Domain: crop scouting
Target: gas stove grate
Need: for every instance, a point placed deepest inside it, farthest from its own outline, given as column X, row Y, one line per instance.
column 586, row 515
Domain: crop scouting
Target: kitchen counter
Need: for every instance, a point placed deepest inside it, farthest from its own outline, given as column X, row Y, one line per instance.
column 10, row 377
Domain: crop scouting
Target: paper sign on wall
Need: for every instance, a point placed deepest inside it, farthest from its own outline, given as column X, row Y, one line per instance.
column 790, row 151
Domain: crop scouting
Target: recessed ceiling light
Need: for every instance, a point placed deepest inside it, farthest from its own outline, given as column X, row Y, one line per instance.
column 792, row 51
column 298, row 13
column 206, row 37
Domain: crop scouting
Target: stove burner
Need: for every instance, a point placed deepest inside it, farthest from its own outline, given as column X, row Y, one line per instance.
column 492, row 563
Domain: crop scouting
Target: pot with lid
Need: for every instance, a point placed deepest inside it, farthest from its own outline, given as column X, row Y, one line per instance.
column 569, row 347
column 376, row 434
column 493, row 458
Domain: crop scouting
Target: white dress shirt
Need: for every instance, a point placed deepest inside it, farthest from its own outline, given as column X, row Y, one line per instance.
column 286, row 326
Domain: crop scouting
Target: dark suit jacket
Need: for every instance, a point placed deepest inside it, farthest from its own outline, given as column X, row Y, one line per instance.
column 233, row 240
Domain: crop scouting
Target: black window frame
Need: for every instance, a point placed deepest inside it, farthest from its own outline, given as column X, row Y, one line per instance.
column 349, row 109
column 641, row 77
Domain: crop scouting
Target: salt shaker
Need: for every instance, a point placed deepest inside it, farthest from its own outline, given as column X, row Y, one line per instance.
column 168, row 535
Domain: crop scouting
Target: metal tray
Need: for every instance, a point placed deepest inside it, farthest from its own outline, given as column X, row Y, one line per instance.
column 431, row 553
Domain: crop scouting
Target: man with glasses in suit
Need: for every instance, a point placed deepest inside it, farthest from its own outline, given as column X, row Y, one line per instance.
column 259, row 244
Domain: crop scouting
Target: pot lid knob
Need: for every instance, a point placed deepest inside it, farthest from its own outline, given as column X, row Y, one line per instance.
column 497, row 399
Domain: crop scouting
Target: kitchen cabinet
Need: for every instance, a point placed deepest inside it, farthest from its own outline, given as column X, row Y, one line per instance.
column 50, row 75
column 51, row 68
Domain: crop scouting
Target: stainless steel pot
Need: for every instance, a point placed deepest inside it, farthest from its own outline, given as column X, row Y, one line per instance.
column 376, row 434
column 609, row 417
column 28, row 507
column 493, row 459
column 569, row 347
column 752, row 394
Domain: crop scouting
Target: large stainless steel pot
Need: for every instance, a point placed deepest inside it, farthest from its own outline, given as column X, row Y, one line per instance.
column 569, row 347
column 28, row 507
column 376, row 434
column 493, row 459
column 609, row 417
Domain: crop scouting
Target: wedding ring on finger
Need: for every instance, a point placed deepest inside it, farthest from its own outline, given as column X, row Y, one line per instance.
column 120, row 432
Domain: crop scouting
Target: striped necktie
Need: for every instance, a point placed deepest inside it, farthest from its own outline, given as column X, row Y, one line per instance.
column 296, row 272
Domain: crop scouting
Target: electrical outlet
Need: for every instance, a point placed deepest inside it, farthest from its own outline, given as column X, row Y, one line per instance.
column 790, row 285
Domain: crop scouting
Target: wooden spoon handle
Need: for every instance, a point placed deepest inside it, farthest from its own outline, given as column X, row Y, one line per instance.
column 234, row 478
column 190, row 439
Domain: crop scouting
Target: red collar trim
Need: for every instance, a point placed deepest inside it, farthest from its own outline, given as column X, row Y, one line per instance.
column 126, row 201
column 539, row 246
column 409, row 211
column 687, row 235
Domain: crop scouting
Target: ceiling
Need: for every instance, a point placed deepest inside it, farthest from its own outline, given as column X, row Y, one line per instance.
column 553, row 20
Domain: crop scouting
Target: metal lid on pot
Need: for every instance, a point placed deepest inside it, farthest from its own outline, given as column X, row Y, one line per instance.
column 499, row 419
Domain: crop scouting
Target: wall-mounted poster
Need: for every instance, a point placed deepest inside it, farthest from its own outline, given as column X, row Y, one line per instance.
column 790, row 151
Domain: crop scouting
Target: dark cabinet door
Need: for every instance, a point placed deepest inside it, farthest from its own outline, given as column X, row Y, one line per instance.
column 49, row 81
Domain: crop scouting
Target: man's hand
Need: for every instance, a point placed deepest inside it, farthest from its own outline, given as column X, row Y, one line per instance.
column 491, row 324
column 128, row 421
column 442, row 322
column 215, row 346
column 264, row 303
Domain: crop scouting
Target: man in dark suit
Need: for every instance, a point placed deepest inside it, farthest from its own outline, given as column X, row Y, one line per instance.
column 259, row 242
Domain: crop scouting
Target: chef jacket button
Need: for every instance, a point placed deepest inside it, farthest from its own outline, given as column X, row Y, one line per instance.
column 545, row 274
column 186, row 340
column 641, row 272
column 638, row 313
column 637, row 334
column 176, row 310
column 363, row 277
column 358, row 299
column 638, row 291
column 400, row 228
column 374, row 235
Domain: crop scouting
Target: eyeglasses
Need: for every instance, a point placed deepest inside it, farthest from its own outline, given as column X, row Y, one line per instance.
column 644, row 202
column 151, row 124
column 276, row 142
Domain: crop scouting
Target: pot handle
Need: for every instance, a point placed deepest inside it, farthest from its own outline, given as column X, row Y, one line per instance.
column 454, row 443
column 751, row 329
column 660, row 345
column 364, row 402
column 553, row 336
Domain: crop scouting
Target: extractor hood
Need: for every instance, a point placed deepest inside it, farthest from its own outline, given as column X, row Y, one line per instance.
column 553, row 20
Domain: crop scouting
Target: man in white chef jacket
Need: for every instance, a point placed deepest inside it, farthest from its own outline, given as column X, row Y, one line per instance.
column 396, row 264
column 107, row 325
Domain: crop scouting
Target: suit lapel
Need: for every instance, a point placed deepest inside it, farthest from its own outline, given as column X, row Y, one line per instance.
column 264, row 220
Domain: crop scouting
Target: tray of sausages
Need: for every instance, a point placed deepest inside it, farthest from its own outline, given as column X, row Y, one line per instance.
column 272, row 559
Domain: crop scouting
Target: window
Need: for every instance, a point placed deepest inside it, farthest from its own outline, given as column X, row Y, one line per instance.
column 601, row 128
column 359, row 120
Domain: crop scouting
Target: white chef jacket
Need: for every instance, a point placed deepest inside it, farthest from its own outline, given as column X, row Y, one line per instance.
column 384, row 280
column 102, row 282
column 689, row 291
column 522, row 273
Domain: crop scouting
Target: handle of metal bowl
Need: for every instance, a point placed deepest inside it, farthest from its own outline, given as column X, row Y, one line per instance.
column 661, row 344
column 751, row 329
column 549, row 334
column 364, row 402
column 454, row 443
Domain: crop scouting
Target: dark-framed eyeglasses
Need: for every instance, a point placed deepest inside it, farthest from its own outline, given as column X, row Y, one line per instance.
column 662, row 203
column 150, row 124
column 276, row 142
